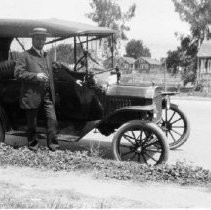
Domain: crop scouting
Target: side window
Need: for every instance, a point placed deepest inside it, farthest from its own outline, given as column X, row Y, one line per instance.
column 18, row 46
column 9, row 51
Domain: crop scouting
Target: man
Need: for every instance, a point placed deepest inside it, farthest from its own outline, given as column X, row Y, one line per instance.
column 34, row 70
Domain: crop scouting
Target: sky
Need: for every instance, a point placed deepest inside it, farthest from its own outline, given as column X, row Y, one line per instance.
column 155, row 21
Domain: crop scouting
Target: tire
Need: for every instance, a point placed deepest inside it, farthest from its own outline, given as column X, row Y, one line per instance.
column 2, row 133
column 176, row 126
column 141, row 142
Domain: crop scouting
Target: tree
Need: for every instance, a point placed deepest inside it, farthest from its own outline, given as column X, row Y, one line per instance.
column 173, row 61
column 14, row 55
column 65, row 53
column 136, row 49
column 185, row 57
column 197, row 13
column 108, row 13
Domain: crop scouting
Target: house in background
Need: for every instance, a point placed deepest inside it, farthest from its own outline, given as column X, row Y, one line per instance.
column 126, row 64
column 147, row 64
column 204, row 65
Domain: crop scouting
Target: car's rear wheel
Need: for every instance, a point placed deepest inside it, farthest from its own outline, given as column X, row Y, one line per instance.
column 175, row 125
column 2, row 133
column 140, row 142
column 7, row 69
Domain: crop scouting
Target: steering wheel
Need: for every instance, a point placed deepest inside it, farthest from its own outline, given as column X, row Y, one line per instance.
column 83, row 60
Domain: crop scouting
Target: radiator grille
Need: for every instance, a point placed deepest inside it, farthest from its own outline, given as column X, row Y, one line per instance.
column 114, row 103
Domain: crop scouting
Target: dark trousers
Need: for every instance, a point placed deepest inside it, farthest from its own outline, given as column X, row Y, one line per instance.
column 51, row 122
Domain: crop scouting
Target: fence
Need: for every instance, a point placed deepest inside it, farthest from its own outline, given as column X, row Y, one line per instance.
column 153, row 78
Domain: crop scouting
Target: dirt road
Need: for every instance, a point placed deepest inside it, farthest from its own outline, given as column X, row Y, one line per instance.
column 84, row 191
column 197, row 149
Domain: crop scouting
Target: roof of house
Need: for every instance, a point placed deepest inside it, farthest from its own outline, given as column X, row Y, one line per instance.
column 150, row 60
column 129, row 60
column 205, row 49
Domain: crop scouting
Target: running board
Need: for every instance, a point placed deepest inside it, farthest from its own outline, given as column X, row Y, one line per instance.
column 17, row 133
column 60, row 137
column 68, row 133
column 68, row 138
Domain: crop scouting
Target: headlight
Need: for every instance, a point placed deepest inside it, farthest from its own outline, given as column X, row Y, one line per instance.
column 167, row 98
column 155, row 113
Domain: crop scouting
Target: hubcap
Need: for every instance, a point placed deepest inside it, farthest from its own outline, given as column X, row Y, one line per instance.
column 139, row 149
column 167, row 125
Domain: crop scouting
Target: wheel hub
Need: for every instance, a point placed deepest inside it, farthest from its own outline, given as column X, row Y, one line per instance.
column 139, row 149
column 167, row 126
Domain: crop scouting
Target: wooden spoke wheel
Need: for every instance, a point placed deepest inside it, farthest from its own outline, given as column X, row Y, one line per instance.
column 141, row 142
column 175, row 125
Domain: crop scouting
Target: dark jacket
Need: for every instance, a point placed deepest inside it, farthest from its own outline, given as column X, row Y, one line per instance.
column 26, row 69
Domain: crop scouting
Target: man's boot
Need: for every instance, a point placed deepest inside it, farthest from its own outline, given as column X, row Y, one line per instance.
column 32, row 141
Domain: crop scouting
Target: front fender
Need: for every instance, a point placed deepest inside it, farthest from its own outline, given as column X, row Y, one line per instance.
column 138, row 110
column 123, row 115
column 169, row 93
column 166, row 103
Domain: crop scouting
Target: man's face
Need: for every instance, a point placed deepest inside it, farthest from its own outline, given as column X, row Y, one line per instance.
column 38, row 41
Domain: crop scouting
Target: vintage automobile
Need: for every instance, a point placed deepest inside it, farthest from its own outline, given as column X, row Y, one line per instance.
column 133, row 114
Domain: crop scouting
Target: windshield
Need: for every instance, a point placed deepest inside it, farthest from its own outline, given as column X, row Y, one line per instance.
column 63, row 51
column 76, row 53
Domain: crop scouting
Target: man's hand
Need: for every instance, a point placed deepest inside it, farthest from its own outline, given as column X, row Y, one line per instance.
column 42, row 77
column 79, row 82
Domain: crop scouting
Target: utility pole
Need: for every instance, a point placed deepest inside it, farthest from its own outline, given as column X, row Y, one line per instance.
column 55, row 54
column 165, row 76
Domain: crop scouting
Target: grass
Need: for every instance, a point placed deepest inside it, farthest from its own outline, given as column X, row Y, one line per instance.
column 94, row 150
column 48, row 201
column 89, row 162
column 181, row 172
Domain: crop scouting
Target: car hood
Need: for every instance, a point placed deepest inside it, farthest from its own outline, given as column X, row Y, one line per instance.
column 133, row 91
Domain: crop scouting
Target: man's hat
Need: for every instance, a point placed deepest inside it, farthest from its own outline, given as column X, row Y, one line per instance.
column 39, row 31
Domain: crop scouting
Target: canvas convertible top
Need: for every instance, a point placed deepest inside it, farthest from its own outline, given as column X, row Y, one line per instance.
column 56, row 27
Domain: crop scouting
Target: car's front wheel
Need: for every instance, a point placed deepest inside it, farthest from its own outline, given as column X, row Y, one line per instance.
column 141, row 142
